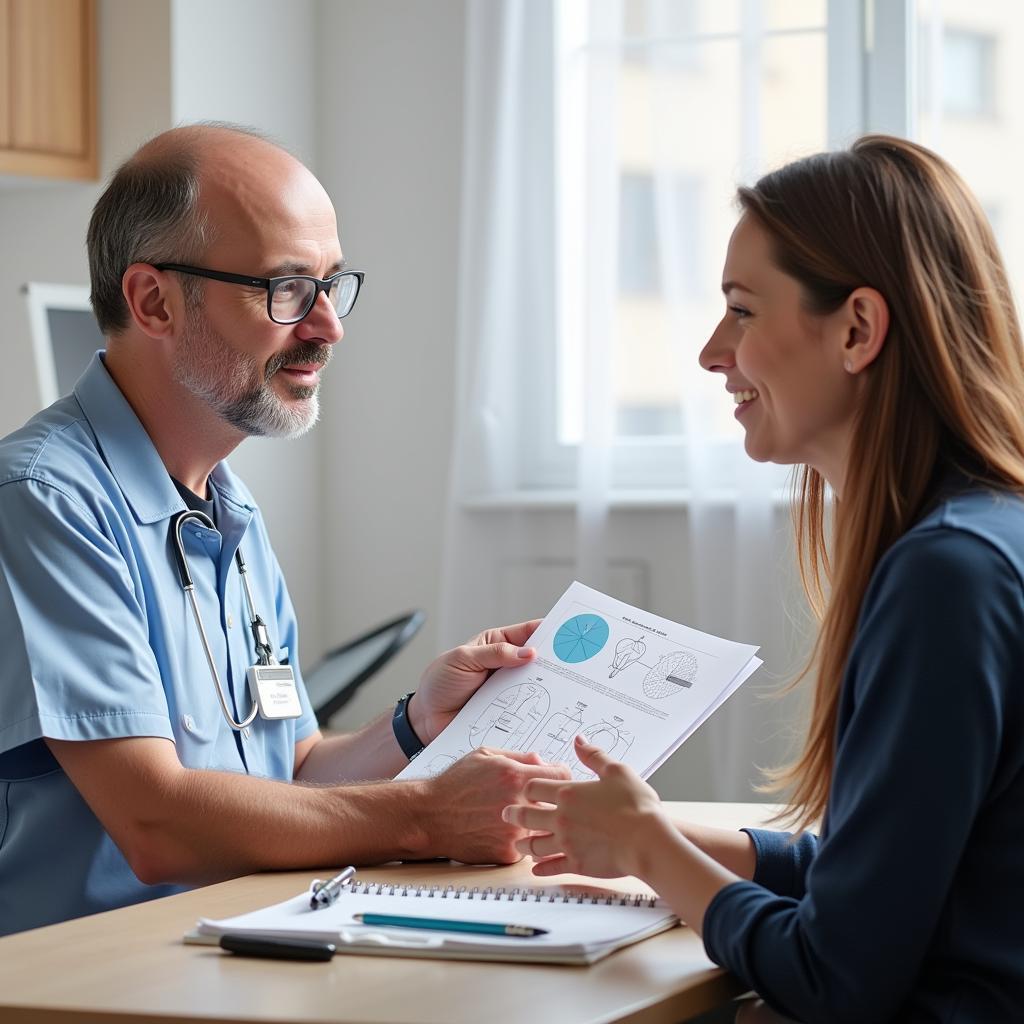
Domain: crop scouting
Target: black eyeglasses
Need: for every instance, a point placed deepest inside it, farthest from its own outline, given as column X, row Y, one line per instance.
column 289, row 299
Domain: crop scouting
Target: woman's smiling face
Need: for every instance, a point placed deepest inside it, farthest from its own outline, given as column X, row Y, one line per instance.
column 784, row 366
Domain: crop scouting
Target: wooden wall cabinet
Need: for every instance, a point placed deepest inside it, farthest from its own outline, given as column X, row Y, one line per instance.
column 48, row 88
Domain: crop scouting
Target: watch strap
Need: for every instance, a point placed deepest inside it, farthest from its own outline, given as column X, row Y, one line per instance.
column 410, row 743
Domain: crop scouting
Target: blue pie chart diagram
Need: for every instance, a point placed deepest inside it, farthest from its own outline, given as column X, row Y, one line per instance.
column 580, row 638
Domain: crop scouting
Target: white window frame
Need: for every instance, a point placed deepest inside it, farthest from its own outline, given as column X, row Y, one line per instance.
column 871, row 73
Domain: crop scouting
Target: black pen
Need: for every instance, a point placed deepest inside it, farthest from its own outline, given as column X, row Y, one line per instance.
column 278, row 949
column 325, row 893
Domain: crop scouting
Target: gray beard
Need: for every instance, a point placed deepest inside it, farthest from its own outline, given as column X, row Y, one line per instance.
column 239, row 391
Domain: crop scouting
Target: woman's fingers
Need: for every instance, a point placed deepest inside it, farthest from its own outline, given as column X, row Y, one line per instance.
column 593, row 757
column 539, row 845
column 539, row 819
column 556, row 865
column 543, row 791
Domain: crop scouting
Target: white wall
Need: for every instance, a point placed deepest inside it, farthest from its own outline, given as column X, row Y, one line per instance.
column 390, row 74
column 252, row 62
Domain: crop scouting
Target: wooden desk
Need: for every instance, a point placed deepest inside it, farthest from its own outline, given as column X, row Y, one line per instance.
column 130, row 965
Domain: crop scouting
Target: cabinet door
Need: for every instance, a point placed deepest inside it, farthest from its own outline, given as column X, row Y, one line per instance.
column 51, row 51
column 5, row 85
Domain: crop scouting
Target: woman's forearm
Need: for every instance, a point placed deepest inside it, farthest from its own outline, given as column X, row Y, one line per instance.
column 682, row 873
column 732, row 849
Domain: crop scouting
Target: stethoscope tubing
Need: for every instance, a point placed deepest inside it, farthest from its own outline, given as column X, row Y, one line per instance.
column 189, row 587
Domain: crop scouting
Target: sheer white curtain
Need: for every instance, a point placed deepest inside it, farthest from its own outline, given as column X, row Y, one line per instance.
column 732, row 517
column 539, row 270
column 505, row 296
column 524, row 241
column 586, row 200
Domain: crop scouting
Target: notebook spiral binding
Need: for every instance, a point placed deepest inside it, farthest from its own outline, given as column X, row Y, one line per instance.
column 523, row 895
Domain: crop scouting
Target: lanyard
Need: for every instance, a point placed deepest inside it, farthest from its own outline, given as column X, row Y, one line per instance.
column 272, row 685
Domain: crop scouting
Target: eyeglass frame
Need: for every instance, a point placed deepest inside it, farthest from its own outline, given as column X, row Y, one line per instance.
column 270, row 283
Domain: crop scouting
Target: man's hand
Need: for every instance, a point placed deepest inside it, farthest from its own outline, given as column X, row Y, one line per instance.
column 451, row 679
column 601, row 828
column 465, row 804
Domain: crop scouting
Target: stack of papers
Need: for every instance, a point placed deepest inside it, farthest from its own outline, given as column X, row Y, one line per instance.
column 630, row 682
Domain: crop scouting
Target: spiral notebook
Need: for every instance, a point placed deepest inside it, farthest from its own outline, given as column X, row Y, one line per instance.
column 583, row 925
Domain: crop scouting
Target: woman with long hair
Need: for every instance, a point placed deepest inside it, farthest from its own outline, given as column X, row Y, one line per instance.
column 869, row 338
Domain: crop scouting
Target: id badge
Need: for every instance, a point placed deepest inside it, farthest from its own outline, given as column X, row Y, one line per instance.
column 273, row 689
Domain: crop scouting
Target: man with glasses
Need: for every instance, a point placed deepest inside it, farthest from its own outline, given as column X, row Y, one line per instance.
column 154, row 732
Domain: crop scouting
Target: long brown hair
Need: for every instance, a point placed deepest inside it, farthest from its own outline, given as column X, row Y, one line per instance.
column 946, row 393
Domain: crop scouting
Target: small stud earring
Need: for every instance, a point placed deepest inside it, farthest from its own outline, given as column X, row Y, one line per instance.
column 848, row 366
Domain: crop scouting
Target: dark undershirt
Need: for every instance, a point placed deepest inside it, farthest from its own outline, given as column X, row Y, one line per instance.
column 194, row 502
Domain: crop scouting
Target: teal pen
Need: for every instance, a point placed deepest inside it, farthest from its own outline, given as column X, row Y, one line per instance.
column 519, row 931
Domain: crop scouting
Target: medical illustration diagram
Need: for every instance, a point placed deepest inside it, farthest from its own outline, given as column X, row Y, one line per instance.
column 517, row 718
column 512, row 717
column 611, row 736
column 671, row 673
column 442, row 762
column 627, row 651
column 558, row 732
column 580, row 638
column 554, row 742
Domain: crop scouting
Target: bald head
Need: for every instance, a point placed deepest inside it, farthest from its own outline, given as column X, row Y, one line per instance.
column 191, row 140
column 183, row 192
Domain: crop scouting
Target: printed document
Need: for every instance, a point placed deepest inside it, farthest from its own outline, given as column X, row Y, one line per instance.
column 630, row 682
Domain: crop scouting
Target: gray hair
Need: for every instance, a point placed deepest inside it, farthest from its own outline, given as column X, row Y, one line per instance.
column 150, row 213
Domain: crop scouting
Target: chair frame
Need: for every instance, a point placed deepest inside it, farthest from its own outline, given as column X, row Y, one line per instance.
column 412, row 620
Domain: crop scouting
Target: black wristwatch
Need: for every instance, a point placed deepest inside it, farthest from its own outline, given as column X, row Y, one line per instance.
column 410, row 743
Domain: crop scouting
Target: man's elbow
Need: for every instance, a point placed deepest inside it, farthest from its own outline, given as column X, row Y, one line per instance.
column 150, row 872
column 158, row 843
column 153, row 859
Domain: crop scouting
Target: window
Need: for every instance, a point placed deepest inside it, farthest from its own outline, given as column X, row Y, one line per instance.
column 640, row 241
column 968, row 60
column 966, row 107
column 663, row 106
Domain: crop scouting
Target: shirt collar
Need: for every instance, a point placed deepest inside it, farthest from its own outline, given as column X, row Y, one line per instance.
column 131, row 454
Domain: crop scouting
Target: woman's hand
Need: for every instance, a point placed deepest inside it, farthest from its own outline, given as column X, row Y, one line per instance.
column 604, row 828
column 453, row 677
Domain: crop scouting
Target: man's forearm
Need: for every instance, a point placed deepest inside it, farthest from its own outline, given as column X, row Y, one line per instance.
column 215, row 825
column 176, row 824
column 371, row 752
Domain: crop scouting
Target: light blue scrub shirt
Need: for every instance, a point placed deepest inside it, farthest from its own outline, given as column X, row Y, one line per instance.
column 98, row 640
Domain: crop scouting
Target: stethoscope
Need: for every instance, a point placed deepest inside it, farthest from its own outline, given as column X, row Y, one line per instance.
column 260, row 636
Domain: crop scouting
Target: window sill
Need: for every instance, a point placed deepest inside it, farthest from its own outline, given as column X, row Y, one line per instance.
column 634, row 498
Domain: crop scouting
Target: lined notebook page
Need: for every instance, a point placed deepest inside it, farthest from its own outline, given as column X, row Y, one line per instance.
column 580, row 923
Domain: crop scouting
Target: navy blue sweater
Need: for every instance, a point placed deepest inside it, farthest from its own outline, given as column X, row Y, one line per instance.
column 911, row 905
